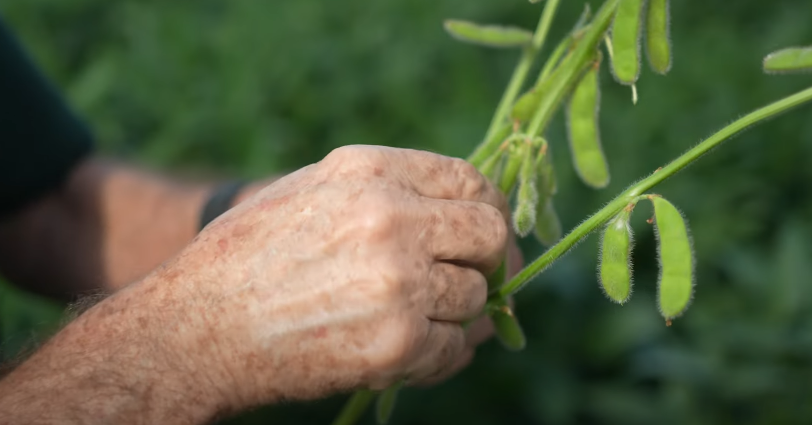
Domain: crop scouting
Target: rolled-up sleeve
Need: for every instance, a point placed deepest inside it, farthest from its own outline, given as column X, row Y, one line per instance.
column 41, row 140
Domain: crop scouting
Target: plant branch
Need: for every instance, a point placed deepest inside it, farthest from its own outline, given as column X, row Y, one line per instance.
column 612, row 208
column 523, row 68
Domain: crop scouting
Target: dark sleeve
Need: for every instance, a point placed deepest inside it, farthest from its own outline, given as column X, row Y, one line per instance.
column 41, row 140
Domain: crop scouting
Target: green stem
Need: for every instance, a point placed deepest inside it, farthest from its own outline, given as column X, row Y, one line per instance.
column 355, row 407
column 612, row 208
column 522, row 68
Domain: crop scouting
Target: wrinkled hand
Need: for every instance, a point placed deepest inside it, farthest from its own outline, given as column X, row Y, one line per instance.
column 354, row 272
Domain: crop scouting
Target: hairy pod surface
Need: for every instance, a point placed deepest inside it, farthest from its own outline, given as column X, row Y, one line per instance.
column 658, row 42
column 545, row 173
column 584, row 134
column 540, row 103
column 385, row 403
column 524, row 216
column 791, row 59
column 488, row 35
column 548, row 225
column 676, row 283
column 508, row 330
column 626, row 30
column 615, row 269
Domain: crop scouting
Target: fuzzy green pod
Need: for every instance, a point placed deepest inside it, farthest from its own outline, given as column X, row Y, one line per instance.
column 524, row 216
column 615, row 268
column 354, row 408
column 658, row 43
column 488, row 35
column 791, row 59
column 548, row 226
column 508, row 330
column 676, row 283
column 545, row 173
column 584, row 136
column 626, row 30
column 386, row 403
column 510, row 171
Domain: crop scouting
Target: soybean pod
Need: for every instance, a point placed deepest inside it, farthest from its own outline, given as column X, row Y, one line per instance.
column 524, row 216
column 675, row 286
column 658, row 45
column 488, row 35
column 582, row 119
column 508, row 330
column 791, row 59
column 626, row 30
column 548, row 226
column 615, row 269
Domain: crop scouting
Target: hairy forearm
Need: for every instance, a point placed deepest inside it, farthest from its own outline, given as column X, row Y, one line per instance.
column 125, row 361
column 109, row 225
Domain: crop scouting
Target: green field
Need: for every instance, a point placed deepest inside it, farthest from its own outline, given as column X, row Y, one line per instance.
column 248, row 88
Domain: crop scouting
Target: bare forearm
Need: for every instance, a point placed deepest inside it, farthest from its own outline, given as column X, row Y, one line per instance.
column 108, row 226
column 125, row 361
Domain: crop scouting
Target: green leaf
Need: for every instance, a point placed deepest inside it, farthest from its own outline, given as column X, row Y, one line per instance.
column 488, row 35
column 791, row 59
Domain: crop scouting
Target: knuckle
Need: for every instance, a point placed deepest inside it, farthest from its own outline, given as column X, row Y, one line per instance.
column 377, row 219
column 357, row 158
column 474, row 183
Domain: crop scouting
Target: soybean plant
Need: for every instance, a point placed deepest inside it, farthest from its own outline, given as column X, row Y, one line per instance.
column 514, row 153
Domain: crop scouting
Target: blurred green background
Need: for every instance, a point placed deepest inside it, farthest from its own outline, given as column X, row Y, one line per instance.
column 249, row 87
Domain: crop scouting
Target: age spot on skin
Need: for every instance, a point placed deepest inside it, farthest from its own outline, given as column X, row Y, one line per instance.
column 320, row 332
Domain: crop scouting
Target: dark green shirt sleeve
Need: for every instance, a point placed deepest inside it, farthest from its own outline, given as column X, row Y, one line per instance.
column 41, row 140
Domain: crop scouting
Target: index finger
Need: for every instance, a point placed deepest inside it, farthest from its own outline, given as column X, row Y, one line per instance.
column 442, row 177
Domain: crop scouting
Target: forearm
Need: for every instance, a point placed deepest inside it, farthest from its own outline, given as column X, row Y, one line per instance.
column 126, row 361
column 109, row 225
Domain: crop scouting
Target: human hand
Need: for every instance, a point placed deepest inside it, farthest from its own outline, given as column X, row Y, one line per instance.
column 353, row 272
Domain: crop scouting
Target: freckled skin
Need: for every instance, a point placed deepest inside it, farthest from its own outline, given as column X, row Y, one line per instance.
column 354, row 272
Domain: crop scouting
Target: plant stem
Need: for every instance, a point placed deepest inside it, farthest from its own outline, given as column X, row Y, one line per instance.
column 522, row 68
column 614, row 207
column 355, row 407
